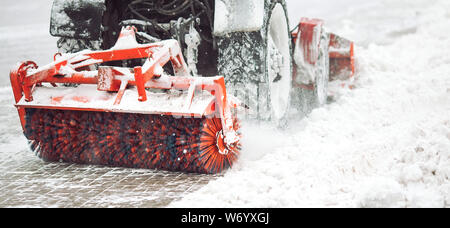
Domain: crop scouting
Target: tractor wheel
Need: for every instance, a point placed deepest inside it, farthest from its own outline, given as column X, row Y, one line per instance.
column 258, row 65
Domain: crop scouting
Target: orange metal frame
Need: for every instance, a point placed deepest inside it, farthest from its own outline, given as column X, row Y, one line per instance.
column 67, row 69
column 307, row 29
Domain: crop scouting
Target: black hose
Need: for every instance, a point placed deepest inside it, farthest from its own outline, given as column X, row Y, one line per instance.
column 169, row 10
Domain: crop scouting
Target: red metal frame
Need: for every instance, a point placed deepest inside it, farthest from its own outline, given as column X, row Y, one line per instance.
column 342, row 61
column 67, row 69
column 339, row 61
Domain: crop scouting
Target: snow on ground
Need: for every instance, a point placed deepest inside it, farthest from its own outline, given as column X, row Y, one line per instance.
column 384, row 144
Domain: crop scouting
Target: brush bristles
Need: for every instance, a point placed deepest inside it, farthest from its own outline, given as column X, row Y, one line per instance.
column 128, row 140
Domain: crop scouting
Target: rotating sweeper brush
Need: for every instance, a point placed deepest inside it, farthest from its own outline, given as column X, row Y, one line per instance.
column 130, row 117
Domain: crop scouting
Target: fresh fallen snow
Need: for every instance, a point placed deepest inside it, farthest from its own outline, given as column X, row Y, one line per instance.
column 384, row 144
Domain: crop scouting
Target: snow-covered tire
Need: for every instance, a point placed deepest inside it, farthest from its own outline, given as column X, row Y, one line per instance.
column 244, row 61
column 307, row 100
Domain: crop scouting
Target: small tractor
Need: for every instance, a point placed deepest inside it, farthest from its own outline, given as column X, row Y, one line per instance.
column 161, row 84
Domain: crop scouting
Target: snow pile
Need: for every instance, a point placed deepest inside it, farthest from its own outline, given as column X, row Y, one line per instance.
column 384, row 144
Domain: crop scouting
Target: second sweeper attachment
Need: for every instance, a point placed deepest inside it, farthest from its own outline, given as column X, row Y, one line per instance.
column 129, row 117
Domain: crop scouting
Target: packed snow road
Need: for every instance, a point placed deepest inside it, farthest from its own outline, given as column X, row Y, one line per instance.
column 384, row 144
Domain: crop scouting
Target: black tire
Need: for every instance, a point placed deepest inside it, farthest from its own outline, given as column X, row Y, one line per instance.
column 306, row 100
column 243, row 62
column 71, row 45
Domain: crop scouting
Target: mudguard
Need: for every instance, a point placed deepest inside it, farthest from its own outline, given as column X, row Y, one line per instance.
column 79, row 19
column 238, row 16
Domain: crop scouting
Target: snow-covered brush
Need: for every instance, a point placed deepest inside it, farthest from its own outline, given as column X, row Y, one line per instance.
column 131, row 117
